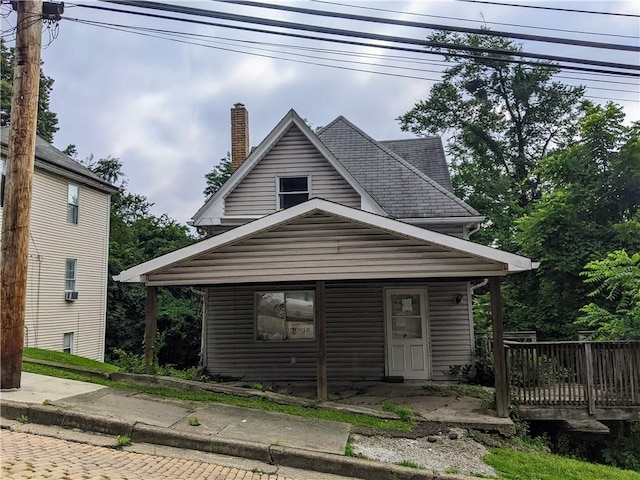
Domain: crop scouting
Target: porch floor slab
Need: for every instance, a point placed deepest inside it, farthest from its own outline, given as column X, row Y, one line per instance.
column 455, row 411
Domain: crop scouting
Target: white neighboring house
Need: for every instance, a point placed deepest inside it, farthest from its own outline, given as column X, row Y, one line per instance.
column 68, row 254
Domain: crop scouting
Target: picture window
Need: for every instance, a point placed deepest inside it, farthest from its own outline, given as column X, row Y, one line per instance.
column 284, row 316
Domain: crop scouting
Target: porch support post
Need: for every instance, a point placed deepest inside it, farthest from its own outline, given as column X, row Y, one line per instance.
column 321, row 341
column 499, row 354
column 151, row 326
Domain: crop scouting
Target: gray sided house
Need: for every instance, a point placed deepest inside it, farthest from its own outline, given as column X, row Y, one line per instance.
column 333, row 257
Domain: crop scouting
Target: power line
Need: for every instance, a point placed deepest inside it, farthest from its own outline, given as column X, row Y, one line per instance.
column 260, row 54
column 536, row 27
column 433, row 26
column 370, row 36
column 551, row 8
column 161, row 34
column 381, row 56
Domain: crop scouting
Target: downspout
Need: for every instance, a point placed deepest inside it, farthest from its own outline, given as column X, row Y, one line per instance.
column 469, row 229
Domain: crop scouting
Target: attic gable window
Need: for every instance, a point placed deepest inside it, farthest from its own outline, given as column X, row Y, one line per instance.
column 292, row 191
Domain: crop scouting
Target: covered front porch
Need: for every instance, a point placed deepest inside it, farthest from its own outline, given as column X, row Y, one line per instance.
column 333, row 263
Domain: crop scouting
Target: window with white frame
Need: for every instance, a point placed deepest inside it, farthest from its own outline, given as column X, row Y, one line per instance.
column 67, row 342
column 292, row 191
column 73, row 197
column 71, row 272
column 285, row 315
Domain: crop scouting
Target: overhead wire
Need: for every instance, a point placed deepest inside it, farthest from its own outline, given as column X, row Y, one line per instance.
column 380, row 56
column 510, row 59
column 259, row 54
column 181, row 9
column 167, row 35
column 556, row 9
column 432, row 26
column 484, row 22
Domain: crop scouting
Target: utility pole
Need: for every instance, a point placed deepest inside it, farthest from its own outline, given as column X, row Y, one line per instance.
column 14, row 256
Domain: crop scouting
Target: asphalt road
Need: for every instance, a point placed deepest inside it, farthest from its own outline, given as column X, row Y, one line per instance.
column 28, row 455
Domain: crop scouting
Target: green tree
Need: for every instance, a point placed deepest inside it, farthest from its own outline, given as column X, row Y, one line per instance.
column 47, row 120
column 218, row 175
column 502, row 118
column 136, row 236
column 591, row 206
column 615, row 314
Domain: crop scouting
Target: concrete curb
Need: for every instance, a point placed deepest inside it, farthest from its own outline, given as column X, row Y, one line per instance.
column 273, row 454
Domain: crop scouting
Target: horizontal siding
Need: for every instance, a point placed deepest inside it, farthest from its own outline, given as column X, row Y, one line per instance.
column 293, row 155
column 52, row 241
column 450, row 327
column 321, row 247
column 355, row 333
column 231, row 346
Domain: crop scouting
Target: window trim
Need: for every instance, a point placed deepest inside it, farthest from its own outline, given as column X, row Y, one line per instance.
column 256, row 293
column 75, row 274
column 70, row 336
column 278, row 192
column 75, row 205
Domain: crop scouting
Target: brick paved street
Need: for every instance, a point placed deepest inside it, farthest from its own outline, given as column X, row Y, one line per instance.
column 28, row 456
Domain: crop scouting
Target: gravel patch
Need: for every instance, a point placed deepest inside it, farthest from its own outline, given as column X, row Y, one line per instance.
column 449, row 451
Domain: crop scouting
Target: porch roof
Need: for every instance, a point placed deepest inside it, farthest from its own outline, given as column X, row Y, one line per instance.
column 321, row 240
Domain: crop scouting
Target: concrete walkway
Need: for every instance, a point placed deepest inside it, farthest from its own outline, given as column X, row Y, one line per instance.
column 270, row 437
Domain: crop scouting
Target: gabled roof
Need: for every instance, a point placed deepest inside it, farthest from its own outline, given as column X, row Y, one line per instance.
column 505, row 262
column 400, row 188
column 426, row 154
column 50, row 158
column 214, row 206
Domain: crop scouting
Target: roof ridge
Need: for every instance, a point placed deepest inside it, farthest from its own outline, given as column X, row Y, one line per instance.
column 429, row 137
column 411, row 168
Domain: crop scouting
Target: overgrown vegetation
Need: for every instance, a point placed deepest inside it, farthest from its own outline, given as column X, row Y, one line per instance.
column 134, row 363
column 405, row 414
column 123, row 441
column 410, row 464
column 67, row 359
column 516, row 465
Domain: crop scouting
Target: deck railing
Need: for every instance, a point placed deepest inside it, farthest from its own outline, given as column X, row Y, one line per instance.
column 591, row 374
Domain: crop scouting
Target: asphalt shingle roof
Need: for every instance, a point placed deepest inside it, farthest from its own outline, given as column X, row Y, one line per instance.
column 426, row 154
column 402, row 189
column 49, row 156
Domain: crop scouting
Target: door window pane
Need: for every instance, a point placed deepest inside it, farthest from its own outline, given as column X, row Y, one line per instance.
column 406, row 319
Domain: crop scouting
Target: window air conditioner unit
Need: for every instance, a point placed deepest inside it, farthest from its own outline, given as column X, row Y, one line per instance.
column 70, row 296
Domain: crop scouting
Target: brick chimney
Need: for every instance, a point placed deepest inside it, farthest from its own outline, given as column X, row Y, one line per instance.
column 239, row 135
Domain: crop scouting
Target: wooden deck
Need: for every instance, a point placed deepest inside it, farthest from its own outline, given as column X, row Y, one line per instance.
column 551, row 379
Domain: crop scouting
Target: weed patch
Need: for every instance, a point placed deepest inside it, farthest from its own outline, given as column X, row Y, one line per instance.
column 513, row 465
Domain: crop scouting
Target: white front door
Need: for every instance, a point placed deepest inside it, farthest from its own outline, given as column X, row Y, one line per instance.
column 408, row 345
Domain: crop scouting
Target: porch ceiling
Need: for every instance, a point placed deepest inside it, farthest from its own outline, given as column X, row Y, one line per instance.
column 320, row 240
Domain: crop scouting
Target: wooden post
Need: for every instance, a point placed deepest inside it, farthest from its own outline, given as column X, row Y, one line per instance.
column 151, row 327
column 590, row 387
column 321, row 341
column 18, row 188
column 499, row 357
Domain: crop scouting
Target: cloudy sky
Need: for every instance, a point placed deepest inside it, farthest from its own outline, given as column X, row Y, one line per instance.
column 163, row 106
